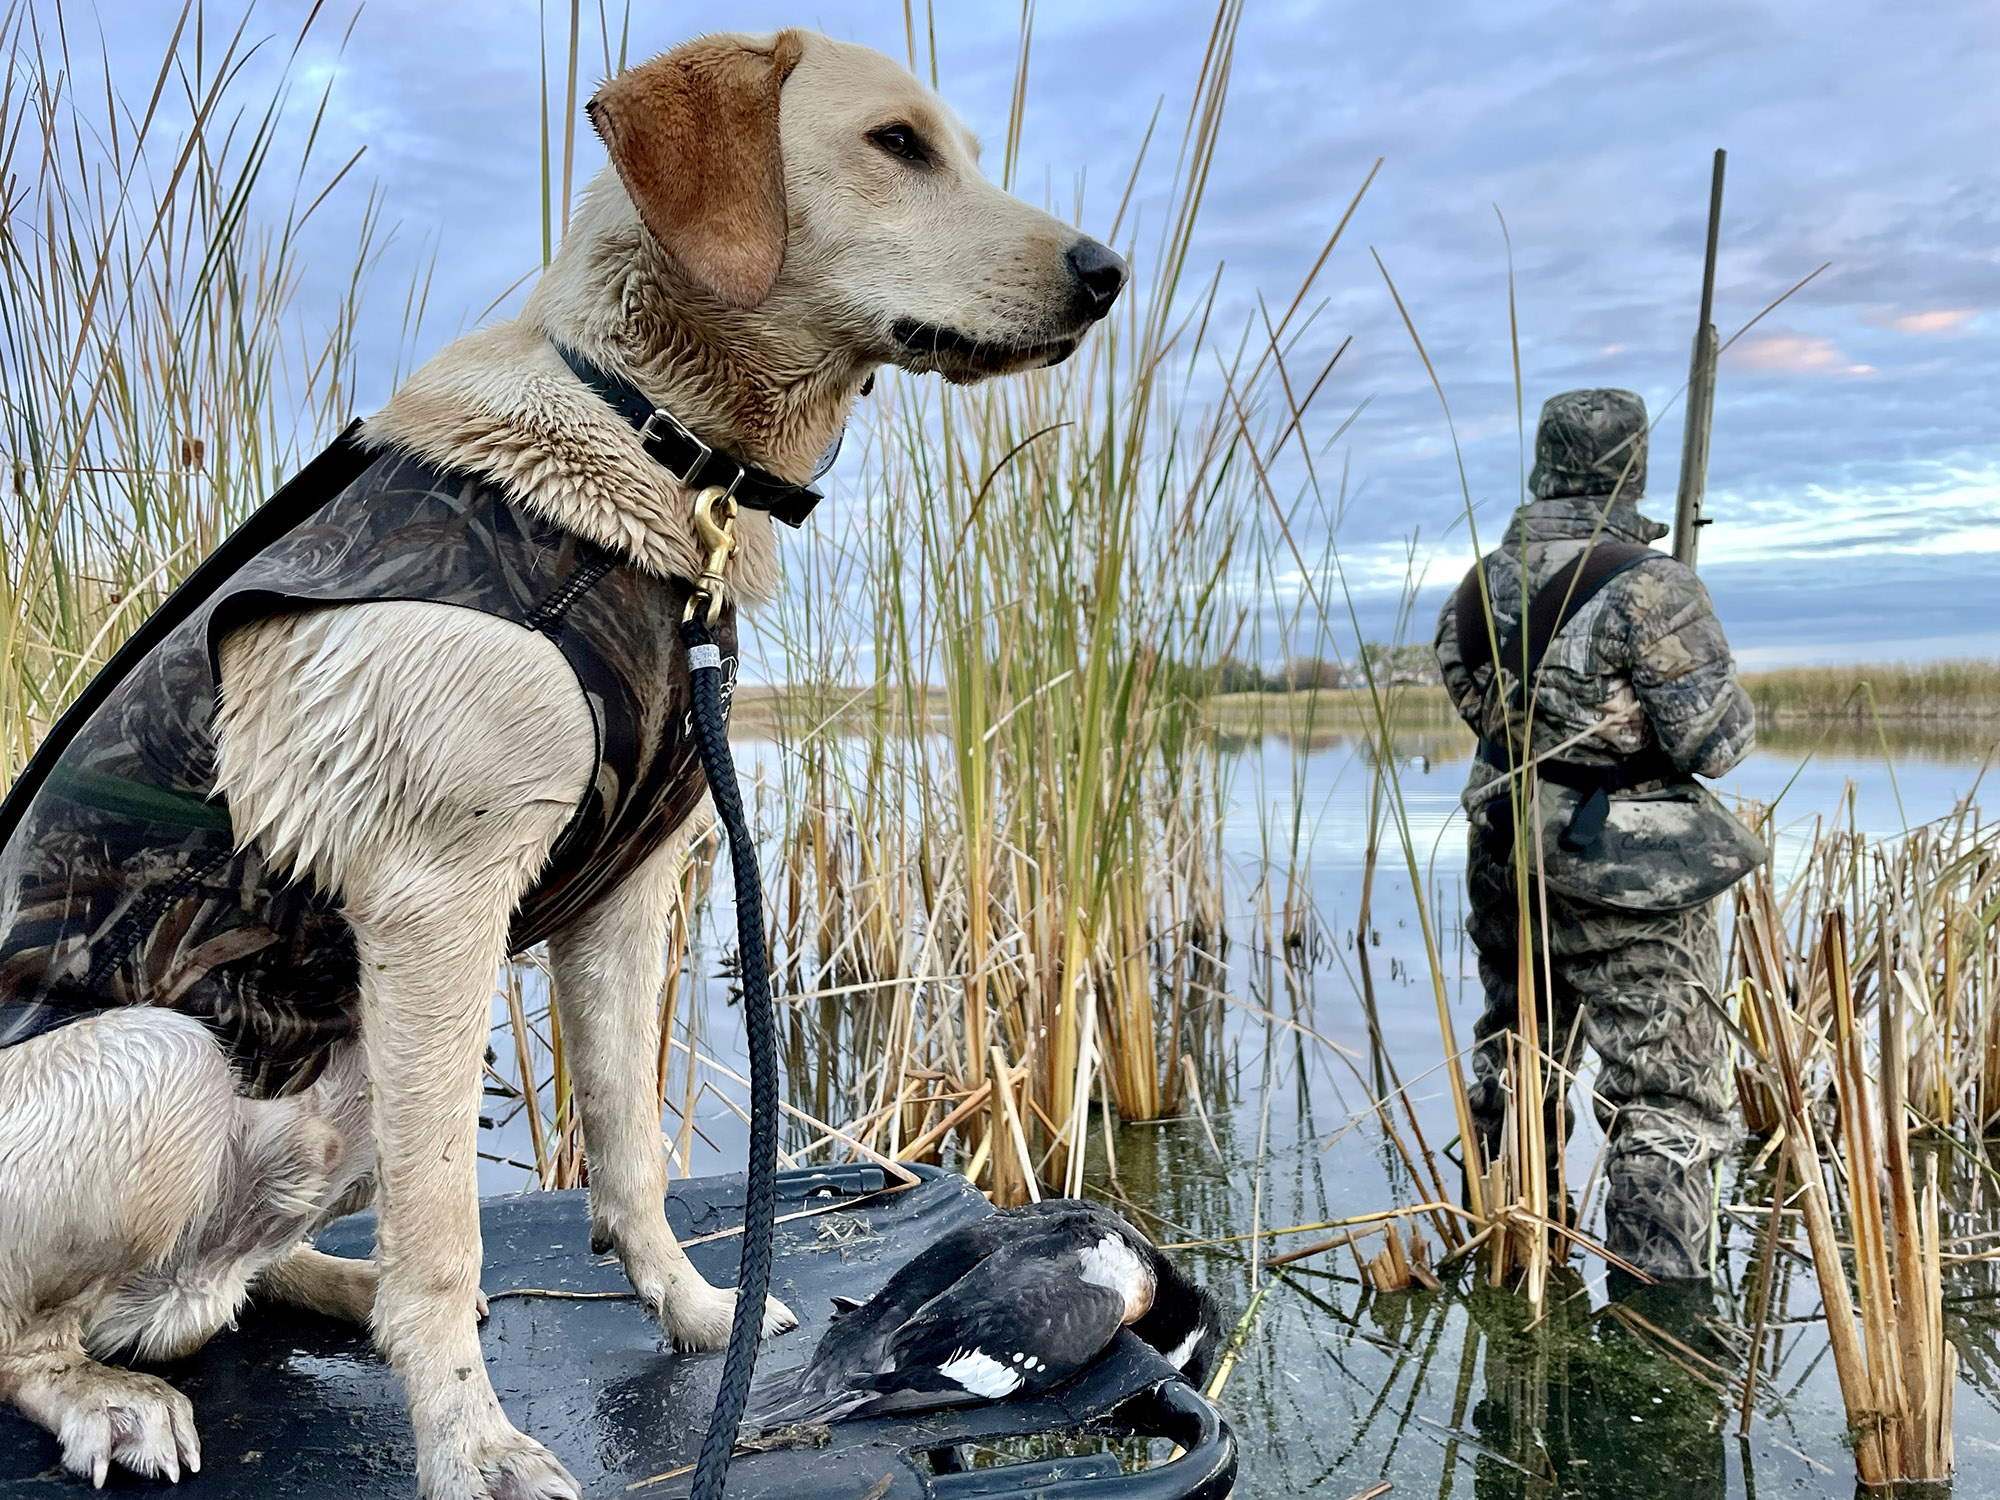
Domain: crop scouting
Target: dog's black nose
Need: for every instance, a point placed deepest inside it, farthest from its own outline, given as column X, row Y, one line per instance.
column 1100, row 276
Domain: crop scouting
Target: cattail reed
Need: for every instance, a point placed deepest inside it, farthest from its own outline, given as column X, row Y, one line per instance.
column 158, row 377
column 1802, row 1004
column 1002, row 857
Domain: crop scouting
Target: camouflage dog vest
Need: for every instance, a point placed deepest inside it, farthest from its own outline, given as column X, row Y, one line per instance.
column 121, row 879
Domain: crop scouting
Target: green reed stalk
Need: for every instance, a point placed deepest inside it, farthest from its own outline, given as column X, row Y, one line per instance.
column 1028, row 783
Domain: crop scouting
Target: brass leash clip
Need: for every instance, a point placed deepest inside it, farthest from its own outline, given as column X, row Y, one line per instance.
column 718, row 540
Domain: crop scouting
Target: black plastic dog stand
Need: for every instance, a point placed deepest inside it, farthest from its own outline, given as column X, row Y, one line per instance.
column 298, row 1407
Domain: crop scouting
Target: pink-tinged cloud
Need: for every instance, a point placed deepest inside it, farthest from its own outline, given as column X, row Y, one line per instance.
column 1796, row 354
column 1930, row 322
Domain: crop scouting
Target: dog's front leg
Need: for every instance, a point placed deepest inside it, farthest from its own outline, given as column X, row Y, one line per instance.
column 428, row 960
column 421, row 760
column 608, row 967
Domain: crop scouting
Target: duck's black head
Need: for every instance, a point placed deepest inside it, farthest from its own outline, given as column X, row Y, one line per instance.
column 1184, row 1322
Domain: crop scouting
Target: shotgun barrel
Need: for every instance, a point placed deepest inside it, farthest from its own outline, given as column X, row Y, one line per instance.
column 1688, row 519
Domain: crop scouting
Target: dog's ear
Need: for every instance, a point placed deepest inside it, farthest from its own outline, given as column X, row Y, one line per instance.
column 694, row 135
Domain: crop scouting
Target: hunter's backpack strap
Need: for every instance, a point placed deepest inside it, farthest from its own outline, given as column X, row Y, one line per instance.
column 1554, row 605
column 1475, row 641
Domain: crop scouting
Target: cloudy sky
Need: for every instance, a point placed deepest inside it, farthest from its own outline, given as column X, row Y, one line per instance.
column 1855, row 484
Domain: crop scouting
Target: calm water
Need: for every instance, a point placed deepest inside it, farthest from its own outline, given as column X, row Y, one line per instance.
column 1445, row 1394
column 1448, row 1393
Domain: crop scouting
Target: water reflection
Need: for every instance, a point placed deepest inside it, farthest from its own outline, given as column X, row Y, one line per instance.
column 1455, row 1392
column 1583, row 1405
column 1965, row 743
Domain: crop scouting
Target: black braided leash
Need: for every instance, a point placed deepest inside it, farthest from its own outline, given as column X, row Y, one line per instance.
column 753, row 1275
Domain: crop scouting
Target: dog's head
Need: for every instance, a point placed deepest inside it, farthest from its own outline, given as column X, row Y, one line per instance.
column 821, row 186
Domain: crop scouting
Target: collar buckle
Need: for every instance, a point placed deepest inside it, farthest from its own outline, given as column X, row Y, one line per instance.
column 663, row 425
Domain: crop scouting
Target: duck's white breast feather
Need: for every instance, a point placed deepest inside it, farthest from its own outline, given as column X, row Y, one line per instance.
column 1116, row 1266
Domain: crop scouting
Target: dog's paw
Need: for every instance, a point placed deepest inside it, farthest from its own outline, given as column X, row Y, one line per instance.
column 501, row 1464
column 528, row 1472
column 137, row 1421
column 701, row 1320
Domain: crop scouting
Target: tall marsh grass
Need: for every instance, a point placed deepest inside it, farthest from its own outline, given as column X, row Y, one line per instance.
column 159, row 373
column 1001, row 880
column 1896, row 692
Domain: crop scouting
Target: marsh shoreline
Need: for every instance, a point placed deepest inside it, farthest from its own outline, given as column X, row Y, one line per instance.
column 1842, row 701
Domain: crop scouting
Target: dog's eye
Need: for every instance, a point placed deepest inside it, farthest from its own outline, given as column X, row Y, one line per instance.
column 901, row 141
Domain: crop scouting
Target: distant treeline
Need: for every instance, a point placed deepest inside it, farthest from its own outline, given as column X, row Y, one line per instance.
column 1413, row 665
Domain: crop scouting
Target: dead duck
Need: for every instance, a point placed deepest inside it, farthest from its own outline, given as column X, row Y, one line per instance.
column 1007, row 1306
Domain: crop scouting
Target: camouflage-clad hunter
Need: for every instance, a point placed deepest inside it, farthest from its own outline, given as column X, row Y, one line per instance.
column 1636, row 695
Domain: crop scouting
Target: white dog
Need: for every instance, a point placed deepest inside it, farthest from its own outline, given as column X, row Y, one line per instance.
column 782, row 215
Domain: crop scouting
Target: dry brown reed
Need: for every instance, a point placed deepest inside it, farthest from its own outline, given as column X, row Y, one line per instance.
column 1903, row 926
column 999, row 863
column 1396, row 1268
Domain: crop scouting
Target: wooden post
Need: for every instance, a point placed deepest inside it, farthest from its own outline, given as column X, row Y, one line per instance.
column 1700, row 394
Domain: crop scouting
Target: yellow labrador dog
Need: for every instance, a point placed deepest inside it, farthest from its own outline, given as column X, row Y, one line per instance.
column 782, row 215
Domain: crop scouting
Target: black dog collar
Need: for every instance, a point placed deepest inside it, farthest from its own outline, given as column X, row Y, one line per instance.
column 696, row 464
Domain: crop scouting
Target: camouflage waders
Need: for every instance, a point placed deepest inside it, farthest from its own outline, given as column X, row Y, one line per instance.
column 1635, row 989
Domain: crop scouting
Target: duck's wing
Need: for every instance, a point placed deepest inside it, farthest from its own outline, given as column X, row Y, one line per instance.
column 918, row 1280
column 1020, row 1321
column 855, row 1346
